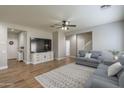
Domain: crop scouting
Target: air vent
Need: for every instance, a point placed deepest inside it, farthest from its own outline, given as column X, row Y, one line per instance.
column 105, row 6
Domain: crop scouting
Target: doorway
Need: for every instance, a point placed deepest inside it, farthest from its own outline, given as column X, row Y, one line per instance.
column 17, row 45
column 67, row 47
column 12, row 45
column 84, row 41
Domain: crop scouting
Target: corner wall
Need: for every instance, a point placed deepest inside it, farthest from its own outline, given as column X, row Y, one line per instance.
column 59, row 45
column 109, row 37
column 104, row 37
column 3, row 46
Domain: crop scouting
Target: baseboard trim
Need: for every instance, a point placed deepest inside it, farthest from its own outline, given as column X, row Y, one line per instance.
column 26, row 62
column 13, row 59
column 60, row 58
column 4, row 67
column 72, row 56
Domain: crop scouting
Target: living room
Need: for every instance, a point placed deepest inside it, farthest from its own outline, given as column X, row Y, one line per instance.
column 56, row 39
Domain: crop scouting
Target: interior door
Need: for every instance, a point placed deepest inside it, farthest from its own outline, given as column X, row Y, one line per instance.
column 67, row 48
column 12, row 47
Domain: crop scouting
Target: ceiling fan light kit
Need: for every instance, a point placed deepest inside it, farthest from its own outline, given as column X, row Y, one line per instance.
column 64, row 26
column 105, row 6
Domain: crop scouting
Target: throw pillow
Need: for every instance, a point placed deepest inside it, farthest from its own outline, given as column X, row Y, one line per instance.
column 95, row 54
column 88, row 55
column 82, row 53
column 114, row 69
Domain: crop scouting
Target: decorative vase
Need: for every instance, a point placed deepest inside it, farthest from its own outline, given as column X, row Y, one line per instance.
column 115, row 57
column 115, row 54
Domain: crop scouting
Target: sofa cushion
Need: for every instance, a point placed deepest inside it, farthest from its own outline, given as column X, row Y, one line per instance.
column 93, row 60
column 82, row 53
column 98, row 83
column 88, row 59
column 81, row 58
column 114, row 69
column 104, row 75
column 101, row 72
column 113, row 81
column 101, row 82
column 100, row 78
column 95, row 54
column 121, row 80
column 88, row 55
column 87, row 62
column 102, row 66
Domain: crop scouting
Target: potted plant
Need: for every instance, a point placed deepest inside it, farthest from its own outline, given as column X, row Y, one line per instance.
column 115, row 54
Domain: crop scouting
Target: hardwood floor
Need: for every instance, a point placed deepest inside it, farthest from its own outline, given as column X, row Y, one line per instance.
column 20, row 75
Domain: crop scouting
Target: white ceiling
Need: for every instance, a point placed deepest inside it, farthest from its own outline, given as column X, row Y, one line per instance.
column 42, row 16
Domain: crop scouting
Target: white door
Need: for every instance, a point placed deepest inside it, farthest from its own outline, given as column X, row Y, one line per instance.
column 12, row 46
column 67, row 48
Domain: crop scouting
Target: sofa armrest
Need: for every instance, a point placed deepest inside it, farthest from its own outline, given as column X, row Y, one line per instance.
column 108, row 63
column 96, row 83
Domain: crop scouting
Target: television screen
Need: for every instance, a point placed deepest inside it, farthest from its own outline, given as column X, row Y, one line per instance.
column 40, row 45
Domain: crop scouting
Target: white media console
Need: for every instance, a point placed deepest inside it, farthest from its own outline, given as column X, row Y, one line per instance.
column 41, row 57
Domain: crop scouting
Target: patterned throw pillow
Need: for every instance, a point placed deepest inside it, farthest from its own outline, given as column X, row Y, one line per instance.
column 88, row 55
column 114, row 69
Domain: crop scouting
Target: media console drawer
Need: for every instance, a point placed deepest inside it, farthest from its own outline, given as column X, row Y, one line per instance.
column 41, row 57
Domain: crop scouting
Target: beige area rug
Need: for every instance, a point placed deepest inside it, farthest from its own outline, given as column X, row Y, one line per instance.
column 68, row 76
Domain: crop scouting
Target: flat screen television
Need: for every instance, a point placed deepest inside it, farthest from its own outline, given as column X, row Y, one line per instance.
column 40, row 45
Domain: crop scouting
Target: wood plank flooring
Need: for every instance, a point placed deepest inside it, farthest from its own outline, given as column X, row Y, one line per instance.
column 21, row 75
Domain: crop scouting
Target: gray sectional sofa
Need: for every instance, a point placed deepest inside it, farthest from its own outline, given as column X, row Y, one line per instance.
column 94, row 61
column 100, row 78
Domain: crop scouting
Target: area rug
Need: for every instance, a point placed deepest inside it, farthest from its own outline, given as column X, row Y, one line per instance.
column 68, row 76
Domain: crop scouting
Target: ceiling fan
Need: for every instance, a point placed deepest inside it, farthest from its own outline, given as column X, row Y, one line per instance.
column 65, row 25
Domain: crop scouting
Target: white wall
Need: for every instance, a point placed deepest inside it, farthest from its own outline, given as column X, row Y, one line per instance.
column 55, row 44
column 61, row 42
column 3, row 46
column 109, row 36
column 22, row 42
column 59, row 45
column 12, row 49
column 21, row 39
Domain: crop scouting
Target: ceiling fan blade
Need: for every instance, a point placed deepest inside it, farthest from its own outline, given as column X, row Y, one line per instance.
column 53, row 26
column 58, row 27
column 71, row 25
